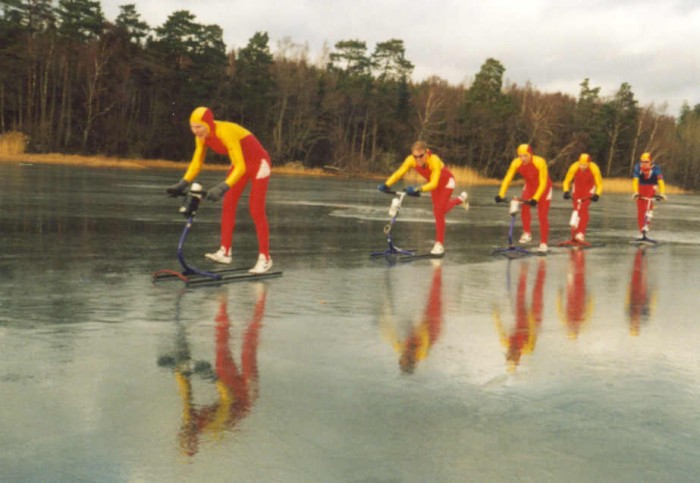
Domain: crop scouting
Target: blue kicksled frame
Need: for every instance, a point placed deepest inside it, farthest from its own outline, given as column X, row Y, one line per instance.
column 392, row 252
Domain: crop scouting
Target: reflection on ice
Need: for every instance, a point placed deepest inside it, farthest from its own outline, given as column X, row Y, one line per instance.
column 236, row 383
column 526, row 308
column 640, row 296
column 576, row 305
column 412, row 337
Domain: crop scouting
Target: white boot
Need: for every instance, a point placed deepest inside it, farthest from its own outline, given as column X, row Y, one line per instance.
column 263, row 265
column 438, row 249
column 220, row 256
column 463, row 197
column 542, row 248
column 525, row 238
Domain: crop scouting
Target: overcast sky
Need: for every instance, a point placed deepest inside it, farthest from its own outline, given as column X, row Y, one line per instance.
column 654, row 45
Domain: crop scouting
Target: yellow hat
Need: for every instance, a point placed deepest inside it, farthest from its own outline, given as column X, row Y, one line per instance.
column 524, row 149
column 584, row 158
column 645, row 157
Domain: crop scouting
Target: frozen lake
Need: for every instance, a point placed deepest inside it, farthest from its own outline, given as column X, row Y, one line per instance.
column 578, row 366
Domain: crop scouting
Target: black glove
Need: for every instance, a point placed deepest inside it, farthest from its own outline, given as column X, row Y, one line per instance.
column 383, row 188
column 531, row 202
column 178, row 189
column 595, row 197
column 660, row 197
column 567, row 195
column 499, row 199
column 217, row 192
column 412, row 191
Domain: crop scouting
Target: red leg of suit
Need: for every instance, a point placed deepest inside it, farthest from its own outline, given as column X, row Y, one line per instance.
column 228, row 212
column 647, row 191
column 641, row 211
column 583, row 214
column 258, row 194
column 441, row 205
column 543, row 217
column 526, row 217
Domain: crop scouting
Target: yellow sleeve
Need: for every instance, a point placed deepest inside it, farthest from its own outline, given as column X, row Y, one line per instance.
column 541, row 166
column 662, row 187
column 231, row 135
column 200, row 150
column 573, row 169
column 514, row 165
column 597, row 177
column 435, row 164
column 502, row 335
column 531, row 334
column 635, row 185
column 407, row 164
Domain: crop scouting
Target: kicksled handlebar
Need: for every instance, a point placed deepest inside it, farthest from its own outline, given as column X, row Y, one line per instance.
column 400, row 192
column 193, row 196
column 513, row 204
column 650, row 198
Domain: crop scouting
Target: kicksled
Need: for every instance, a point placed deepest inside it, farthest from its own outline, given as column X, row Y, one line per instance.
column 394, row 254
column 513, row 251
column 192, row 276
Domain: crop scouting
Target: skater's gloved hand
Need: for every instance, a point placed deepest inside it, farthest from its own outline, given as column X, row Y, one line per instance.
column 499, row 199
column 531, row 202
column 412, row 191
column 179, row 188
column 217, row 192
column 567, row 195
column 635, row 196
column 383, row 188
column 595, row 197
column 660, row 197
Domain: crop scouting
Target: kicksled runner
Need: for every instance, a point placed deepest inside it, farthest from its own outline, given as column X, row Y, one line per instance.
column 394, row 253
column 193, row 276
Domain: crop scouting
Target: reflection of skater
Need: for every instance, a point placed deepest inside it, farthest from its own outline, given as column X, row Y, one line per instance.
column 639, row 297
column 236, row 387
column 249, row 163
column 536, row 192
column 413, row 345
column 578, row 303
column 522, row 337
column 587, row 183
column 440, row 184
column 647, row 184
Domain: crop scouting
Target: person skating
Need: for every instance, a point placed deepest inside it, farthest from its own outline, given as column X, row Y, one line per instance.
column 440, row 184
column 250, row 163
column 536, row 192
column 582, row 184
column 647, row 184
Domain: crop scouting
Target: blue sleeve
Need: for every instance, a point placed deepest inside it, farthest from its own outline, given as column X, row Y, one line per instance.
column 636, row 172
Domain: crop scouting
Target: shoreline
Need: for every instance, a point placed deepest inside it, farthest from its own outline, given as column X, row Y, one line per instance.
column 137, row 164
column 610, row 185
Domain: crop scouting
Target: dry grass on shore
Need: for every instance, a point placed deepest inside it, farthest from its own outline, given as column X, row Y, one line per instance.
column 12, row 150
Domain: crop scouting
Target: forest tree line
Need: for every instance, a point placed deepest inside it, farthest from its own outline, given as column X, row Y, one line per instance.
column 74, row 82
